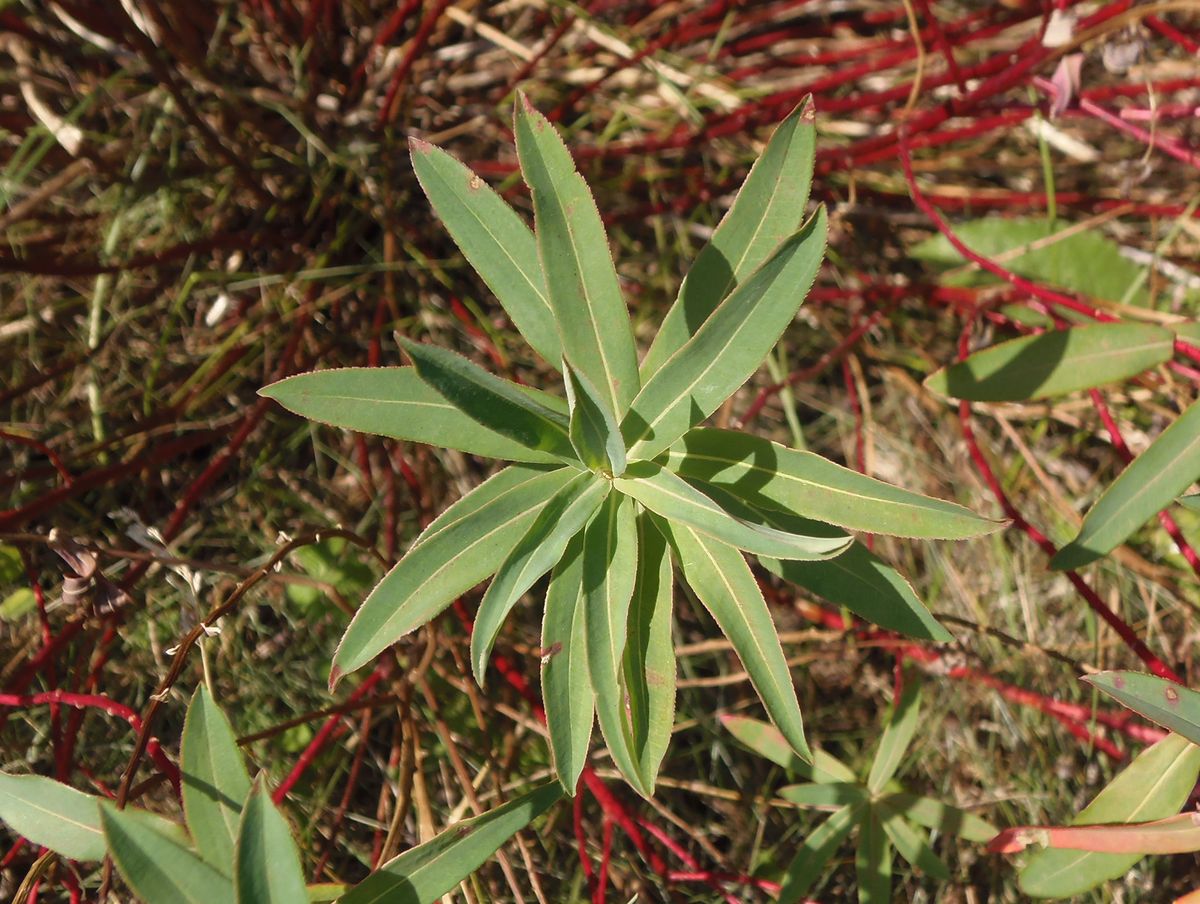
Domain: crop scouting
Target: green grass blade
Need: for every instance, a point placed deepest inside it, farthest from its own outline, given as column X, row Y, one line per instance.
column 52, row 814
column 723, row 582
column 768, row 742
column 1148, row 485
column 649, row 664
column 673, row 498
column 535, row 552
column 1055, row 363
column 768, row 208
column 728, row 347
column 395, row 402
column 609, row 568
column 825, row 795
column 425, row 873
column 462, row 547
column 573, row 249
column 896, row 736
column 911, row 845
column 594, row 431
column 213, row 778
column 818, row 848
column 157, row 865
column 267, row 867
column 566, row 684
column 1171, row 706
column 873, row 862
column 868, row 587
column 496, row 404
column 494, row 240
column 1154, row 786
column 933, row 814
column 770, row 476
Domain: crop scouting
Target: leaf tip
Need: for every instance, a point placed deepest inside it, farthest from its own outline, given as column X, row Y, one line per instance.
column 418, row 145
column 1073, row 556
column 335, row 675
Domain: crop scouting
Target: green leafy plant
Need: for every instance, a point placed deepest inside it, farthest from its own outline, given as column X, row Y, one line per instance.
column 616, row 488
column 889, row 818
column 236, row 846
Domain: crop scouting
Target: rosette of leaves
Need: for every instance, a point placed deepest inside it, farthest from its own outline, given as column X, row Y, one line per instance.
column 235, row 846
column 616, row 490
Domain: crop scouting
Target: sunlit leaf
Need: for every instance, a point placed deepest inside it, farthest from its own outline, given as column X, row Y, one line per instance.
column 825, row 795
column 896, row 736
column 911, row 844
column 52, row 814
column 873, row 862
column 213, row 778
column 768, row 742
column 1165, row 702
column 267, row 867
column 933, row 814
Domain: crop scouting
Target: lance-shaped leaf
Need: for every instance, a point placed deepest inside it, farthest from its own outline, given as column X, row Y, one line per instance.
column 825, row 795
column 573, row 249
column 673, row 498
column 1147, row 486
column 820, row 845
column 535, row 552
column 933, row 814
column 267, row 867
column 425, row 873
column 911, row 844
column 767, row 741
column 213, row 778
column 494, row 240
column 566, row 684
column 1173, row 835
column 768, row 475
column 463, row 546
column 767, row 209
column 722, row 581
column 873, row 862
column 1165, row 702
column 395, row 402
column 52, row 814
column 594, row 431
column 896, row 737
column 728, row 347
column 1055, row 363
column 157, row 865
column 1155, row 785
column 495, row 403
column 609, row 567
column 649, row 665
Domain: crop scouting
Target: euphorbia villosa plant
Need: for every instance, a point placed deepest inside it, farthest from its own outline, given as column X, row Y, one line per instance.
column 616, row 489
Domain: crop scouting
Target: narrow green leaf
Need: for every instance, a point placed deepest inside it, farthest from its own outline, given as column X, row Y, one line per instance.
column 610, row 556
column 868, row 587
column 425, row 873
column 566, row 684
column 594, row 431
column 535, row 552
column 462, row 547
column 728, row 347
column 1055, row 363
column 52, row 814
column 395, row 402
column 768, row 742
column 1154, row 786
column 1165, row 702
column 821, row 844
column 497, row 404
column 825, row 795
column 573, row 249
column 325, row 892
column 768, row 208
column 213, row 778
column 267, row 866
column 768, row 475
column 896, row 736
column 1190, row 502
column 911, row 844
column 157, row 865
column 649, row 665
column 671, row 497
column 723, row 582
column 1147, row 486
column 873, row 863
column 494, row 240
column 933, row 814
